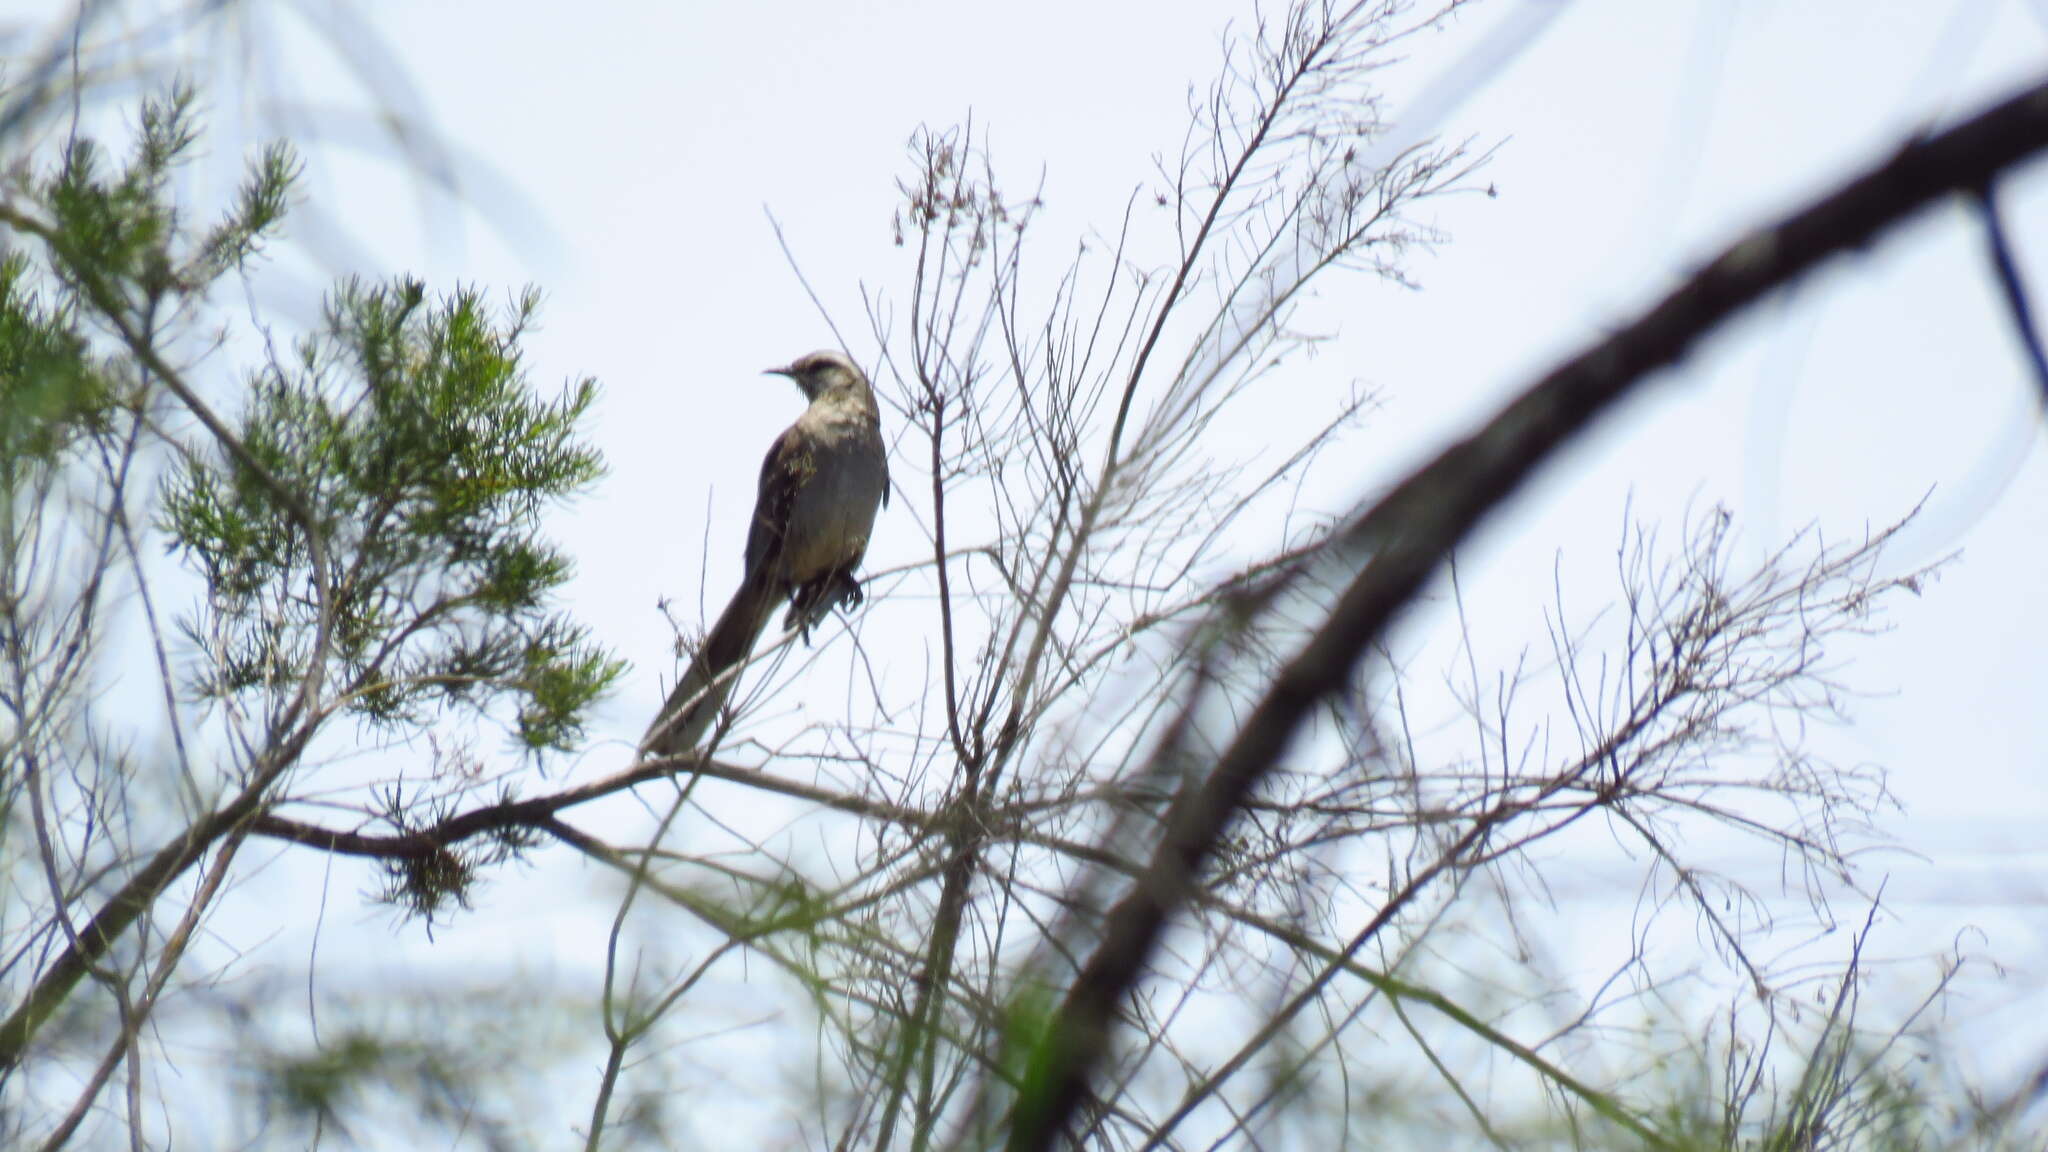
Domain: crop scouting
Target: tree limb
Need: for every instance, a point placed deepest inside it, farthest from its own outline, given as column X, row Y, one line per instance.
column 1407, row 533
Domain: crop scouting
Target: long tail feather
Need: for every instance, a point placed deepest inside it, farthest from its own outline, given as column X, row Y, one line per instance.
column 696, row 699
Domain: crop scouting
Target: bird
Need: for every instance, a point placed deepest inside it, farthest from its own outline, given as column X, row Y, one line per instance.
column 822, row 483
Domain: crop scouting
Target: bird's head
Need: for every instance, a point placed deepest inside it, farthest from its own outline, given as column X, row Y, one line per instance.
column 822, row 372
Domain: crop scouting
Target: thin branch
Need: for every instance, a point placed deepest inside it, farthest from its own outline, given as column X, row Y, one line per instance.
column 2013, row 288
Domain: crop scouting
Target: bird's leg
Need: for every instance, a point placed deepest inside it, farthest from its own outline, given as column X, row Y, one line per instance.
column 802, row 612
column 810, row 604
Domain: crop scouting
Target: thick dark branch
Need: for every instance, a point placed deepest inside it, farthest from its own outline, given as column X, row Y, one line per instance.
column 1408, row 533
column 96, row 938
column 133, row 900
column 539, row 812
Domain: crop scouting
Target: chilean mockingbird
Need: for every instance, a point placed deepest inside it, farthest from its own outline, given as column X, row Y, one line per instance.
column 820, row 485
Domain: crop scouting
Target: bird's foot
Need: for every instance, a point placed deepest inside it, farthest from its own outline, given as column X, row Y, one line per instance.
column 846, row 593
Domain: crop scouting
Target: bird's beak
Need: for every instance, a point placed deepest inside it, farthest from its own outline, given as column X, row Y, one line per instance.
column 802, row 382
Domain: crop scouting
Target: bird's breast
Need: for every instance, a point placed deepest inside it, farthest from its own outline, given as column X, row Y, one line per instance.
column 833, row 512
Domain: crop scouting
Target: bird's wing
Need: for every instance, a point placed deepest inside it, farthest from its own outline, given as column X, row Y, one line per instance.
column 783, row 471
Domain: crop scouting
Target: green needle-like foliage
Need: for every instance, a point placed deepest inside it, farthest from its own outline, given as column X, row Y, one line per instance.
column 48, row 388
column 365, row 513
column 411, row 431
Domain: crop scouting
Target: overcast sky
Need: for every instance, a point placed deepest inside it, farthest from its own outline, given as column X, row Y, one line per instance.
column 622, row 158
column 626, row 162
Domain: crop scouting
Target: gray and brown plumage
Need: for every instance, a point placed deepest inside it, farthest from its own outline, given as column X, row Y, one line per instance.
column 821, row 484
